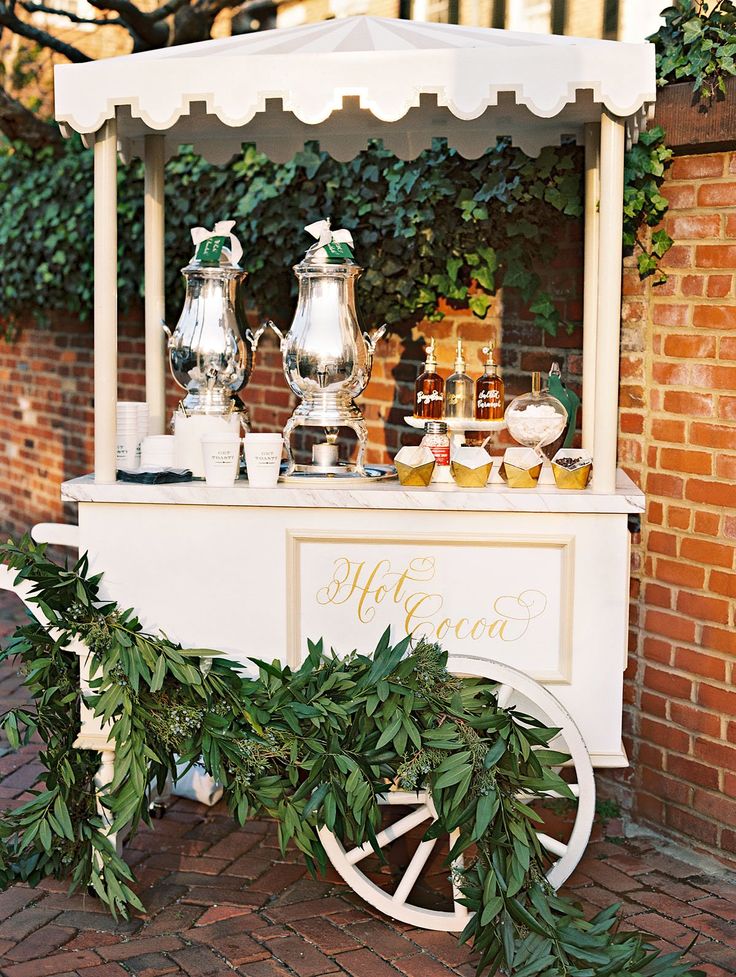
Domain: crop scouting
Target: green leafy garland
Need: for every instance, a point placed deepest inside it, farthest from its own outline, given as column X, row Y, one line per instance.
column 307, row 747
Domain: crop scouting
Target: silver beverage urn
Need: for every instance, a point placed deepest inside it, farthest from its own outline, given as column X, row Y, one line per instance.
column 327, row 355
column 211, row 350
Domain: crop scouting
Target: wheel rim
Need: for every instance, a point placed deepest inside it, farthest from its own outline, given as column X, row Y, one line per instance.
column 513, row 686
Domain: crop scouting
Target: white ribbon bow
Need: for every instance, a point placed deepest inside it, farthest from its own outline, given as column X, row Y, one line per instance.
column 221, row 229
column 325, row 235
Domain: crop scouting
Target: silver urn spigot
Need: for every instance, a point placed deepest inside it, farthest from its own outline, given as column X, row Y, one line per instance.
column 211, row 350
column 327, row 355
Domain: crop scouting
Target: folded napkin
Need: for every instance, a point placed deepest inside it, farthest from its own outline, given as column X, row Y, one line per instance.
column 154, row 476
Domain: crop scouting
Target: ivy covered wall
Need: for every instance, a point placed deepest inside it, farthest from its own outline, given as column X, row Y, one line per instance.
column 437, row 227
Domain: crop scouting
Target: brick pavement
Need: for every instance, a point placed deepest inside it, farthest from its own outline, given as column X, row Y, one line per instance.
column 221, row 901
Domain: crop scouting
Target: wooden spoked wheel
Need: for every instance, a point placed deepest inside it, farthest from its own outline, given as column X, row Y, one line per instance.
column 565, row 846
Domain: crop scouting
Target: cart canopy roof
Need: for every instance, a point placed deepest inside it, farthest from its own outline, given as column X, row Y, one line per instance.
column 343, row 82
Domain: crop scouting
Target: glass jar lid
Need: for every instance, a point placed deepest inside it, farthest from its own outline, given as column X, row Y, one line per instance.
column 435, row 427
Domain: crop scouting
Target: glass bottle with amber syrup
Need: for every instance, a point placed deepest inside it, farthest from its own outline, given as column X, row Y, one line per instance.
column 429, row 389
column 489, row 390
column 459, row 389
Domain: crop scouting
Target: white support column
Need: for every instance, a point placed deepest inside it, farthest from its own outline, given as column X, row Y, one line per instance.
column 103, row 778
column 605, row 432
column 154, row 270
column 590, row 283
column 106, row 301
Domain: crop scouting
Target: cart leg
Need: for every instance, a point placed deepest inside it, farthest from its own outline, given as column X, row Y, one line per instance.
column 103, row 778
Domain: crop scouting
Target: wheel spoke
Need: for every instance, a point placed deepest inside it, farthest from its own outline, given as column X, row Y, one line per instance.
column 457, row 866
column 415, row 866
column 408, row 798
column 552, row 844
column 389, row 834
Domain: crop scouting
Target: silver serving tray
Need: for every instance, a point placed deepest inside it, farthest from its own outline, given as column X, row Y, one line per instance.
column 339, row 474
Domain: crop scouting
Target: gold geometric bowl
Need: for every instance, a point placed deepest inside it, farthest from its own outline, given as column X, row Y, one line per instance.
column 577, row 479
column 414, row 475
column 520, row 477
column 470, row 477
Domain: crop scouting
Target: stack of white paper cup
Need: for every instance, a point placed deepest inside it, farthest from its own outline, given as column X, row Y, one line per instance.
column 263, row 459
column 157, row 451
column 221, row 457
column 142, row 420
column 132, row 427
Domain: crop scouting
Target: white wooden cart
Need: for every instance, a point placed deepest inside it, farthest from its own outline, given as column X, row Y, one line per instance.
column 528, row 587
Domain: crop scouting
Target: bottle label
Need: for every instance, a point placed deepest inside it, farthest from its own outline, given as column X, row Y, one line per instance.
column 427, row 398
column 441, row 454
column 489, row 398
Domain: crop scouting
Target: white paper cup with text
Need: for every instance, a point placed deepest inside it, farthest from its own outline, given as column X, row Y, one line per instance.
column 128, row 451
column 263, row 459
column 221, row 455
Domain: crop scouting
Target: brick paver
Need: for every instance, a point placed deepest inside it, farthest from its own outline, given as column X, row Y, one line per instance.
column 221, row 900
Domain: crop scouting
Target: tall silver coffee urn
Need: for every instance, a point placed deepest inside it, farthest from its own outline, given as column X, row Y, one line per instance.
column 327, row 355
column 211, row 350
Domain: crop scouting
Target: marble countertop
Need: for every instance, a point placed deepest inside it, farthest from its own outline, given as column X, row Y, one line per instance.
column 351, row 495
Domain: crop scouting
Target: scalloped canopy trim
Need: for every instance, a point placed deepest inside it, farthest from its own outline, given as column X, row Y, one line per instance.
column 386, row 64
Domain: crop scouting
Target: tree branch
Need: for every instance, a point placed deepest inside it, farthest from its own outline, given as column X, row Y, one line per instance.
column 146, row 32
column 17, row 122
column 12, row 22
column 41, row 8
column 193, row 21
column 214, row 7
column 167, row 9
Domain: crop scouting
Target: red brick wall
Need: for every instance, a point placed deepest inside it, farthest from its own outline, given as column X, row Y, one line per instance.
column 46, row 398
column 678, row 441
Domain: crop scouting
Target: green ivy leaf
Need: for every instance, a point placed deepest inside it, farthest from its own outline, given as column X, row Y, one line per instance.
column 479, row 305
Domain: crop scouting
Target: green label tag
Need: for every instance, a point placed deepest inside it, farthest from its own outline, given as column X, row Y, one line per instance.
column 210, row 250
column 337, row 249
